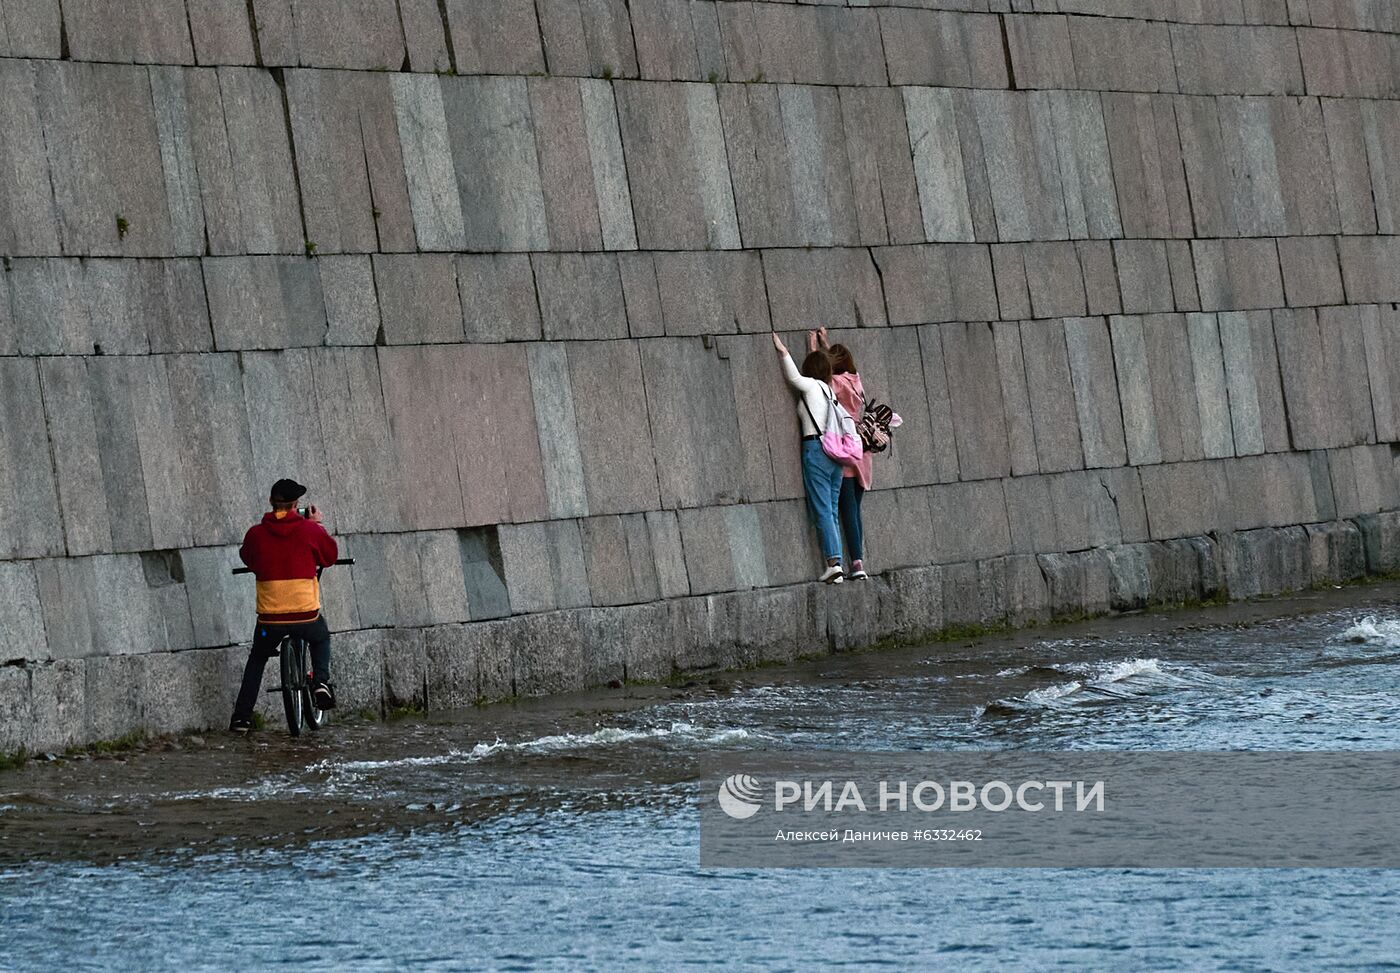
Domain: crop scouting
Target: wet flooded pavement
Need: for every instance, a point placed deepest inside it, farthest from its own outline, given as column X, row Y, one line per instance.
column 562, row 833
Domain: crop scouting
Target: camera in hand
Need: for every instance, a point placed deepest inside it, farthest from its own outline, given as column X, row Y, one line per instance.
column 303, row 511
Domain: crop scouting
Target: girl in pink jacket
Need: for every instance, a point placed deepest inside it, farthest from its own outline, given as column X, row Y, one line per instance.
column 845, row 382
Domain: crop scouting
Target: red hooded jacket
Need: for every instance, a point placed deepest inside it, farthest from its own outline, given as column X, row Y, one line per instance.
column 284, row 552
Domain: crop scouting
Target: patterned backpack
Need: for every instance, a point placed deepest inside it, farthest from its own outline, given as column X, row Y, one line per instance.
column 874, row 426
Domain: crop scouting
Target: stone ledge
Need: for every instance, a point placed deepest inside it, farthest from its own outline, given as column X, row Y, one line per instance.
column 51, row 705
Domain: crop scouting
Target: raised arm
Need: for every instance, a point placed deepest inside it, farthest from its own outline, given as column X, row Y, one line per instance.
column 794, row 377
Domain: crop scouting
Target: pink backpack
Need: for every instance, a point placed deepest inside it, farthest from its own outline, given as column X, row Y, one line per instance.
column 839, row 437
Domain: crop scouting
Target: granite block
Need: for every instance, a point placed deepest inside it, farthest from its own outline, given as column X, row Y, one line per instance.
column 711, row 293
column 425, row 36
column 827, row 288
column 1054, row 279
column 1135, row 391
column 1086, row 169
column 427, row 159
column 544, row 566
column 1253, row 184
column 1095, row 392
column 1381, row 336
column 557, row 427
column 1122, row 55
column 1173, row 377
column 1145, row 276
column 887, row 200
column 1186, row 499
column 1346, row 134
column 977, row 406
column 1183, row 275
column 1040, row 51
column 277, row 385
column 35, row 28
column 926, row 284
column 1051, row 394
column 677, row 166
column 969, row 521
column 264, row 302
column 30, row 525
column 1022, row 168
column 590, row 38
column 177, row 159
column 1212, row 400
column 691, row 402
column 119, row 454
column 502, row 38
column 1236, row 331
column 1145, row 152
column 1101, row 287
column 609, row 408
column 28, row 216
column 418, row 298
column 72, row 433
column 1212, row 185
column 938, row 164
column 365, row 485
column 492, row 137
column 362, row 34
column 1344, row 353
column 946, row 49
column 1369, row 269
column 499, row 302
column 1236, row 60
column 580, row 296
column 352, row 305
column 1305, row 166
column 152, row 33
column 1312, row 409
column 1020, row 426
column 1238, row 274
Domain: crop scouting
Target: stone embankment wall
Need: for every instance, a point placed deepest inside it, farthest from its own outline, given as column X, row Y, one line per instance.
column 495, row 280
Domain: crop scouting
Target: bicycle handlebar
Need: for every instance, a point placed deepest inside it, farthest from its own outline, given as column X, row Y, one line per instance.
column 344, row 560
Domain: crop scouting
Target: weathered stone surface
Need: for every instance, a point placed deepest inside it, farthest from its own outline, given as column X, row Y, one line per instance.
column 1212, row 401
column 664, row 532
column 1145, row 151
column 665, row 33
column 177, row 157
column 277, row 385
column 502, row 38
column 1363, row 480
column 499, row 302
column 1273, row 490
column 352, row 306
column 1174, row 398
column 1236, row 330
column 945, row 49
column 104, row 156
column 938, row 164
column 1381, row 337
column 557, row 426
column 1343, row 347
column 791, row 179
column 1380, row 533
column 830, row 288
column 34, row 28
column 1270, row 560
column 22, row 636
column 691, row 403
column 1249, row 175
column 580, row 295
column 1314, row 403
column 975, row 389
column 153, row 33
column 1020, row 428
column 1336, row 553
column 571, row 207
column 1144, row 275
column 1122, row 55
column 926, row 284
column 1370, row 269
column 777, row 42
column 28, row 215
column 641, row 294
column 969, row 521
column 1040, row 51
column 544, row 566
column 1216, row 60
column 882, row 174
column 29, row 519
column 212, row 445
column 610, row 408
column 427, row 159
column 1054, row 279
column 1051, row 394
column 349, row 161
column 264, row 302
column 1013, row 291
column 1095, row 392
column 425, row 36
column 1311, row 271
column 359, row 456
column 1304, row 165
column 1135, row 391
column 1185, row 499
column 418, row 298
column 244, row 161
column 710, row 293
column 1022, row 168
column 1238, row 274
column 1346, row 136
column 493, row 150
column 363, row 34
column 588, row 37
column 677, row 166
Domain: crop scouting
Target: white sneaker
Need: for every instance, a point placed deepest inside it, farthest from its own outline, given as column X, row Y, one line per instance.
column 859, row 575
column 833, row 575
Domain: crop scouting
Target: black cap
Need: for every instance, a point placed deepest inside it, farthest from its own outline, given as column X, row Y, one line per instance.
column 285, row 491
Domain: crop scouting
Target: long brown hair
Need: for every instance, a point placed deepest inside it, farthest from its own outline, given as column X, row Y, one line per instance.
column 841, row 359
column 817, row 365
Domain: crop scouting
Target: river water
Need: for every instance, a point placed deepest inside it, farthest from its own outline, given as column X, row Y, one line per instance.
column 562, row 834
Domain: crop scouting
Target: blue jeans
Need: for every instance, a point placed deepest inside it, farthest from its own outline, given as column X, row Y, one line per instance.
column 851, row 495
column 822, row 476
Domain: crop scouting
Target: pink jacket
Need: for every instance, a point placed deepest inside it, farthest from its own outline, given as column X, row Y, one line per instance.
column 851, row 394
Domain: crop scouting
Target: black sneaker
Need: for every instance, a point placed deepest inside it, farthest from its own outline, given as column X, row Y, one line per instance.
column 322, row 696
column 240, row 726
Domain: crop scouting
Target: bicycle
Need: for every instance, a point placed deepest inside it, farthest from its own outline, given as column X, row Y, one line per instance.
column 294, row 656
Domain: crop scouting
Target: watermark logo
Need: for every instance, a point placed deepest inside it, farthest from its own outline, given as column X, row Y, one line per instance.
column 740, row 796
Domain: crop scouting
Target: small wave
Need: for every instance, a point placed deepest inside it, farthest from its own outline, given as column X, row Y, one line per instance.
column 1375, row 632
column 554, row 743
column 1095, row 682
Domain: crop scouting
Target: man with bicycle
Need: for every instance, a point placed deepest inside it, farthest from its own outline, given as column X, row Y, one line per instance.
column 286, row 553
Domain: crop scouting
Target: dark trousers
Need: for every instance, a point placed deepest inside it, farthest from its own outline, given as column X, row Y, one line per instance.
column 851, row 495
column 266, row 639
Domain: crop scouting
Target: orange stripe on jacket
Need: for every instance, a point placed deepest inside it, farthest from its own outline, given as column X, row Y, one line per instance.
column 280, row 600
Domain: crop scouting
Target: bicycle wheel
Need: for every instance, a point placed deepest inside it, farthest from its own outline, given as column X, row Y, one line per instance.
column 313, row 717
column 292, row 683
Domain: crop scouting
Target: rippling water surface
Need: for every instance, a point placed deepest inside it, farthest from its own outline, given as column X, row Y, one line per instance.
column 562, row 834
